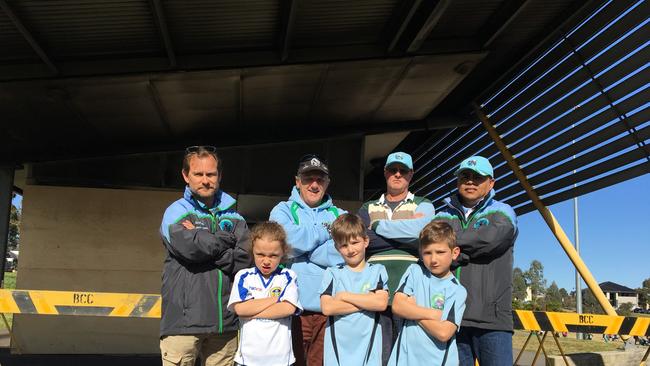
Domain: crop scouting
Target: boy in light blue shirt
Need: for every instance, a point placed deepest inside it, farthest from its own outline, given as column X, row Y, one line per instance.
column 431, row 301
column 352, row 295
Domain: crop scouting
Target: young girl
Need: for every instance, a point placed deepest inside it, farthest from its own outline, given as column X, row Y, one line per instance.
column 265, row 297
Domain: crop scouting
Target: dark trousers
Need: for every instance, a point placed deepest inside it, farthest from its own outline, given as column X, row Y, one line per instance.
column 308, row 337
column 490, row 347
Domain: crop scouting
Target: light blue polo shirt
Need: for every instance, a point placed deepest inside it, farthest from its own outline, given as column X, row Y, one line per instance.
column 353, row 339
column 414, row 346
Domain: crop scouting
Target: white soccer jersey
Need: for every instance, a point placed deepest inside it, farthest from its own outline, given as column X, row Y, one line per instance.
column 265, row 341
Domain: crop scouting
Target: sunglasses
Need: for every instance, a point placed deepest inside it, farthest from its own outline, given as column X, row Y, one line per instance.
column 197, row 148
column 394, row 170
column 466, row 176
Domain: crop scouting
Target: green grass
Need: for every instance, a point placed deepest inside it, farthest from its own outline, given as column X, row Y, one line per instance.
column 569, row 344
column 9, row 283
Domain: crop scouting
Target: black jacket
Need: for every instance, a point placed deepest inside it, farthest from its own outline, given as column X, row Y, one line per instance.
column 200, row 265
column 486, row 240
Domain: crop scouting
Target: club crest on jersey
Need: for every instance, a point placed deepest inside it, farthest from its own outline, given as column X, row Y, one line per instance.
column 438, row 301
column 365, row 288
column 275, row 292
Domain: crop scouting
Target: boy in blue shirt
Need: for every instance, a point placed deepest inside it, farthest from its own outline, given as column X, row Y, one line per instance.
column 352, row 295
column 431, row 301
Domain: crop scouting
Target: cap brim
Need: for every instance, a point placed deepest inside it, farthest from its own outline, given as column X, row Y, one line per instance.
column 312, row 169
column 398, row 162
column 458, row 171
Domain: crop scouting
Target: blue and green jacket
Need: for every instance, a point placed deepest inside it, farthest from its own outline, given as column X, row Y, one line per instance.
column 312, row 247
column 200, row 264
column 486, row 239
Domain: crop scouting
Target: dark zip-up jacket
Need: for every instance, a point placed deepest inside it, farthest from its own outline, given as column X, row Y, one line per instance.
column 486, row 239
column 200, row 265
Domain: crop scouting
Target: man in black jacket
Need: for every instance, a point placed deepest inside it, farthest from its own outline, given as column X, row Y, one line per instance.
column 486, row 230
column 206, row 242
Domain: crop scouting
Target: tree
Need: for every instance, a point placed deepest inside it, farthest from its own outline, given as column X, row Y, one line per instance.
column 553, row 298
column 535, row 280
column 518, row 285
column 14, row 228
column 625, row 309
column 644, row 293
column 568, row 299
column 589, row 303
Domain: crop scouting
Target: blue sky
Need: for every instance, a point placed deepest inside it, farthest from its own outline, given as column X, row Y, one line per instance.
column 614, row 229
column 614, row 236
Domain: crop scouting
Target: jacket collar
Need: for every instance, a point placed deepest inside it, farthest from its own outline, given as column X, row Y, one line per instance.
column 454, row 202
column 295, row 197
column 409, row 197
column 222, row 202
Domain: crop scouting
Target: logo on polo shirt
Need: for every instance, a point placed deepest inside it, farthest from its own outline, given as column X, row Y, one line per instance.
column 438, row 301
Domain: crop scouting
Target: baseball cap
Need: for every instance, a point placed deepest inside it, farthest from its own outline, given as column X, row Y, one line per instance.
column 312, row 162
column 477, row 164
column 400, row 158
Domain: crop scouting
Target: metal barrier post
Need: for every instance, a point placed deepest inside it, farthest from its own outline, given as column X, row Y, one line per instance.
column 541, row 347
column 557, row 342
column 523, row 348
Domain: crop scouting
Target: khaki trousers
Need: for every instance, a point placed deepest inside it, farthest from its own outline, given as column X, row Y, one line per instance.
column 214, row 349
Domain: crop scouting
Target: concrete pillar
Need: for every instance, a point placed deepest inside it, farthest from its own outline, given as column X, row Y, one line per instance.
column 6, row 189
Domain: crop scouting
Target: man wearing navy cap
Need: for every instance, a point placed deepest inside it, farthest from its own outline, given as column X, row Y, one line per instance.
column 394, row 223
column 306, row 217
column 486, row 230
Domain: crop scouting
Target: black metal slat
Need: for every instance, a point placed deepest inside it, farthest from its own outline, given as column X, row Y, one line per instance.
column 584, row 110
column 575, row 133
column 581, row 176
column 599, row 64
column 436, row 157
column 435, row 140
column 579, row 36
column 624, row 142
column 618, row 177
column 610, row 77
column 456, row 157
column 586, row 143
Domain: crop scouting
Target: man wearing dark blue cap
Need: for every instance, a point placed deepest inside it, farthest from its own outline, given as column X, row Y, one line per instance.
column 394, row 223
column 486, row 230
column 306, row 217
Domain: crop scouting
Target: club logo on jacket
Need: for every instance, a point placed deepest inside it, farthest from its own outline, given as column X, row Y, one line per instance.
column 481, row 222
column 226, row 225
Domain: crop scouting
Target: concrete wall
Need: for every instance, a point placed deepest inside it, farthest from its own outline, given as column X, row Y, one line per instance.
column 90, row 240
column 104, row 240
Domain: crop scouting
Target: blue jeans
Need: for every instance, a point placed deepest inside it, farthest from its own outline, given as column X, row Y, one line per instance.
column 490, row 347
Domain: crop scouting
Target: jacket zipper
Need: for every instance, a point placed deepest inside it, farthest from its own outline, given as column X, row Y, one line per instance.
column 219, row 305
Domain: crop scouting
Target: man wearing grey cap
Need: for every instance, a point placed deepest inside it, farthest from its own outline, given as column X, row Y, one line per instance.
column 394, row 223
column 486, row 230
column 306, row 218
